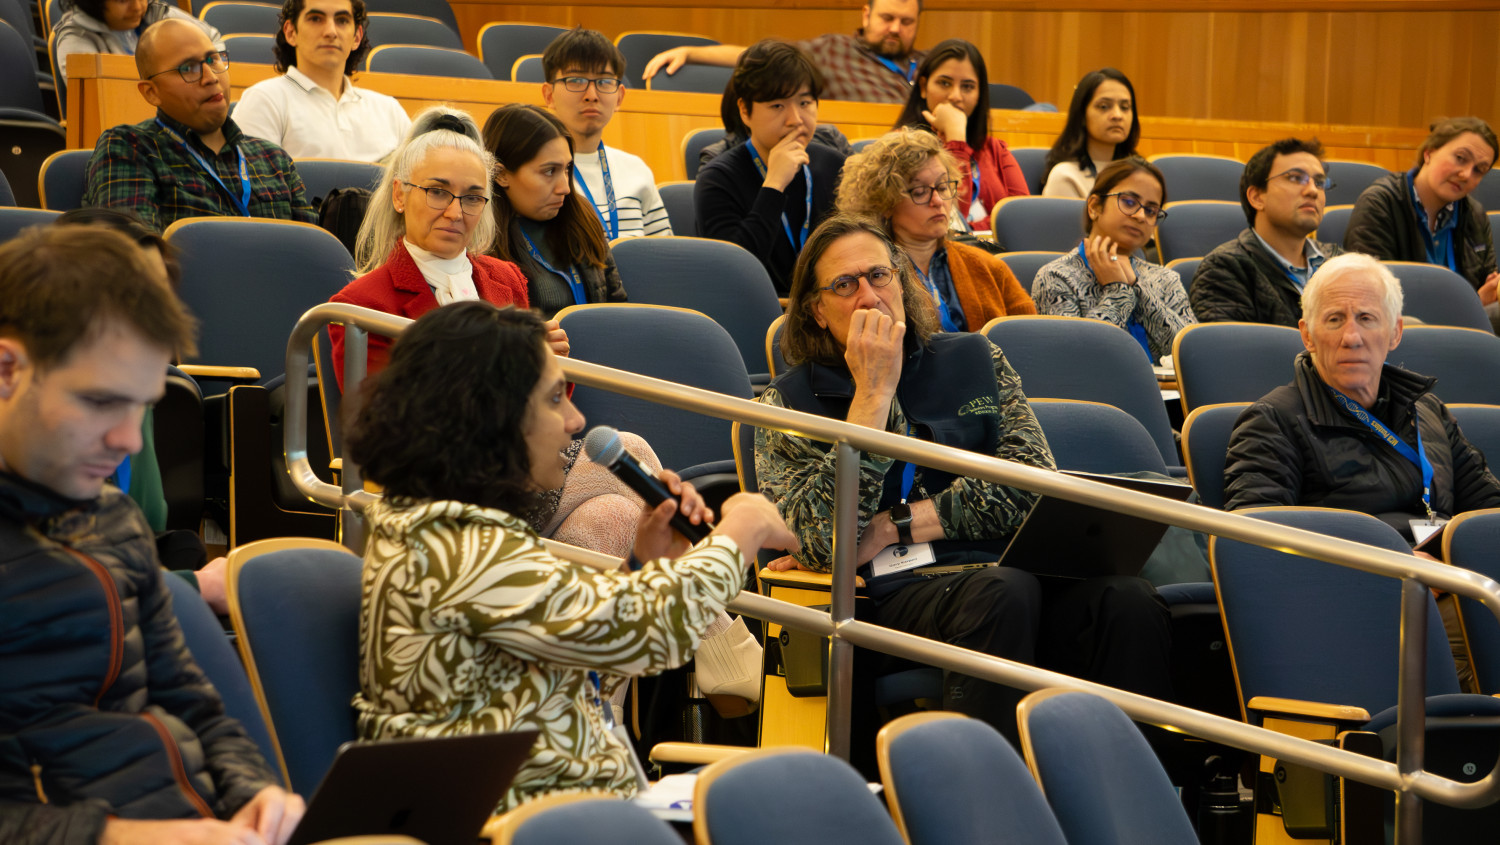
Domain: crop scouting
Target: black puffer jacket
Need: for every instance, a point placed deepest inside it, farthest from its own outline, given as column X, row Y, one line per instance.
column 1297, row 446
column 102, row 710
column 1240, row 281
column 1384, row 224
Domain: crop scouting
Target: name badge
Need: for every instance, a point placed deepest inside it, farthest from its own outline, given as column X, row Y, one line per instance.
column 1421, row 529
column 898, row 558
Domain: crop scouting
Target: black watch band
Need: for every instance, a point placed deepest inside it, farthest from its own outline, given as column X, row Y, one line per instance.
column 901, row 516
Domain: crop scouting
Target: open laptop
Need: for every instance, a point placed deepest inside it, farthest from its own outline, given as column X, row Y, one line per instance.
column 440, row 790
column 1069, row 539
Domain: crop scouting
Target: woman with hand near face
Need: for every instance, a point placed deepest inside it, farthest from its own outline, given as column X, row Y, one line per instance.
column 1103, row 126
column 1103, row 278
column 468, row 622
column 951, row 98
column 541, row 224
column 908, row 181
column 1426, row 213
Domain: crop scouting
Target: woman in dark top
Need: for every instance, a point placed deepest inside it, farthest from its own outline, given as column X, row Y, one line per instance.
column 1427, row 214
column 952, row 100
column 768, row 193
column 543, row 225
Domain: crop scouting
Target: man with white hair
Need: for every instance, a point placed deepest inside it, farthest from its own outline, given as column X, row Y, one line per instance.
column 1352, row 431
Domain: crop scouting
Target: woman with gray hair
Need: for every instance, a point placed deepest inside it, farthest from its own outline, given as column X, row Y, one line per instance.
column 423, row 239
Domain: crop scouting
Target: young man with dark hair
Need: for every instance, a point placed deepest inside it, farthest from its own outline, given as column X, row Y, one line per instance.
column 585, row 85
column 190, row 160
column 313, row 109
column 109, row 731
column 1258, row 277
column 769, row 192
column 874, row 65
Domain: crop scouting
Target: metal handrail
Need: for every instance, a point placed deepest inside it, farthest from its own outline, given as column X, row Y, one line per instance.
column 1405, row 777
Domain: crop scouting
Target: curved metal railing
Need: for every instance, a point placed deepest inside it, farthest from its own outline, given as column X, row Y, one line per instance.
column 1405, row 777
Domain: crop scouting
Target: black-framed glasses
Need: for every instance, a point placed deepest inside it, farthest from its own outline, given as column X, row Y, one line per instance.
column 1299, row 177
column 440, row 198
column 878, row 277
column 922, row 194
column 580, row 84
column 192, row 69
column 1130, row 204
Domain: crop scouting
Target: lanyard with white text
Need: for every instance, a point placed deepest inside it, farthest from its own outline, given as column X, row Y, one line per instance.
column 937, row 298
column 909, row 74
column 1132, row 325
column 1417, row 456
column 242, row 202
column 612, row 224
column 806, row 217
column 571, row 277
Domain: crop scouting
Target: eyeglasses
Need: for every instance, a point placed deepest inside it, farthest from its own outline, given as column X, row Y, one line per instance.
column 1301, row 178
column 580, row 84
column 192, row 69
column 922, row 194
column 878, row 277
column 441, row 198
column 1130, row 204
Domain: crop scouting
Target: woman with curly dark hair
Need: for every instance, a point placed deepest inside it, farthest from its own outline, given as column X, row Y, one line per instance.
column 1103, row 126
column 468, row 622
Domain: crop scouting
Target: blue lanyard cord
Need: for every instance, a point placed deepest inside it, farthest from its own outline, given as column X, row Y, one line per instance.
column 937, row 297
column 909, row 74
column 974, row 178
column 612, row 224
column 1427, row 234
column 1132, row 325
column 1417, row 456
column 605, row 710
column 807, row 201
column 242, row 202
column 571, row 277
column 908, row 473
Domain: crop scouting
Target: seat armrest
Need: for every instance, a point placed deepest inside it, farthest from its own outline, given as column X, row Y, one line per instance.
column 693, row 752
column 247, row 374
column 1308, row 709
column 800, row 578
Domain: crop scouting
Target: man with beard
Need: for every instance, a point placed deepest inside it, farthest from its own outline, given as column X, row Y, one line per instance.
column 874, row 65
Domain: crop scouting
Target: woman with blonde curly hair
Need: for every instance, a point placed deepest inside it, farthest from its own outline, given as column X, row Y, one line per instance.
column 908, row 181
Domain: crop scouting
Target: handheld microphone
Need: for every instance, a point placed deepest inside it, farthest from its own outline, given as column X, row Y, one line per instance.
column 603, row 447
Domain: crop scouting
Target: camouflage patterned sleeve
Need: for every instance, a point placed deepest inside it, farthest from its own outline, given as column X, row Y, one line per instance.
column 797, row 474
column 971, row 509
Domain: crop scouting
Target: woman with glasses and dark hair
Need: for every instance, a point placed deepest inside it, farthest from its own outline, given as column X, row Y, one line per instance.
column 865, row 347
column 1427, row 214
column 908, row 181
column 113, row 26
column 1103, row 126
column 541, row 223
column 952, row 99
column 1103, row 278
column 469, row 622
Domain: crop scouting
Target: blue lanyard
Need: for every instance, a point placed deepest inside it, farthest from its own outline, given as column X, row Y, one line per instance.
column 1132, row 325
column 937, row 296
column 605, row 711
column 612, row 225
column 1428, row 236
column 242, row 203
column 807, row 213
column 1417, row 456
column 908, row 473
column 122, row 475
column 908, row 74
column 974, row 177
column 571, row 277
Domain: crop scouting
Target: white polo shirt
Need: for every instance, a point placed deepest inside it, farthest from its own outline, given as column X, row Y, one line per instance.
column 302, row 118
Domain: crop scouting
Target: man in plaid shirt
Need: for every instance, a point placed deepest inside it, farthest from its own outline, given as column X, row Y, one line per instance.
column 190, row 160
column 874, row 65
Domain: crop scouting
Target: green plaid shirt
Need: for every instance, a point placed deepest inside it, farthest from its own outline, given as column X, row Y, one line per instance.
column 141, row 167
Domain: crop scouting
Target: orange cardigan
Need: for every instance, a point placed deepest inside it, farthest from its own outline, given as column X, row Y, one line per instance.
column 986, row 287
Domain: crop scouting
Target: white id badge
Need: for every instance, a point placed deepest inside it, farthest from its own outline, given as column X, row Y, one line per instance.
column 1421, row 529
column 898, row 558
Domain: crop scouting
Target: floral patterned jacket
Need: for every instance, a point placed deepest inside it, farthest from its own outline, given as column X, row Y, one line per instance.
column 469, row 624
